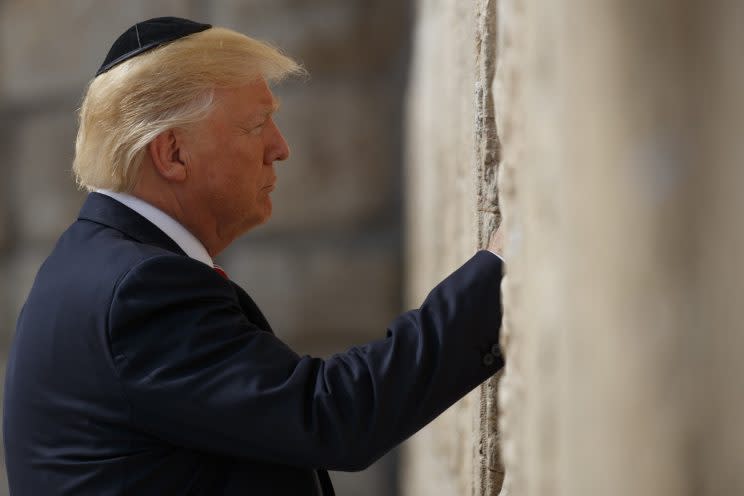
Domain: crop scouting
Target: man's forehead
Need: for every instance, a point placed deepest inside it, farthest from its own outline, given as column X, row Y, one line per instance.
column 265, row 98
column 262, row 97
column 264, row 109
column 253, row 98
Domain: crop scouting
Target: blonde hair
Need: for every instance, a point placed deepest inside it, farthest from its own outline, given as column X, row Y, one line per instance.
column 171, row 86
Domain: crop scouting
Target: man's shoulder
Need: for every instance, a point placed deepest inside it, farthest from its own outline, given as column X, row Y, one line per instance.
column 90, row 260
column 88, row 244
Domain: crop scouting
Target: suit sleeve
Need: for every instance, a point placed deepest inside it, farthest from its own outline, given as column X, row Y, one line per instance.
column 198, row 374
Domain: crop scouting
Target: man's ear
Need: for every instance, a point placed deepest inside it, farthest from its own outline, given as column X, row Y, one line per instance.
column 167, row 154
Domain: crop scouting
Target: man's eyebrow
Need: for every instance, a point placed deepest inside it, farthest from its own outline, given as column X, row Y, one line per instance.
column 267, row 110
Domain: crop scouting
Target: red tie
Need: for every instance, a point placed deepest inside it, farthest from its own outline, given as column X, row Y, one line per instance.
column 221, row 272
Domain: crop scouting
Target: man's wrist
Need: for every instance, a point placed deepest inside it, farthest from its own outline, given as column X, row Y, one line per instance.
column 497, row 254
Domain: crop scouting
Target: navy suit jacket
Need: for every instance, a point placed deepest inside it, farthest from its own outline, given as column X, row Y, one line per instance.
column 138, row 370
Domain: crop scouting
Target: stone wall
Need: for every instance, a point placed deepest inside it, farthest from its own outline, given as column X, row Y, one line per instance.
column 326, row 269
column 617, row 138
column 621, row 199
column 451, row 204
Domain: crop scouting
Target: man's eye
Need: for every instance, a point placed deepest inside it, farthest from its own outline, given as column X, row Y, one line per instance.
column 254, row 129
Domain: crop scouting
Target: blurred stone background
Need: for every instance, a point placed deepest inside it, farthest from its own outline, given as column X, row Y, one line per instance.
column 327, row 268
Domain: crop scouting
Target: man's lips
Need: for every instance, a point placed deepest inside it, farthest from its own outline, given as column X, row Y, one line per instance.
column 270, row 187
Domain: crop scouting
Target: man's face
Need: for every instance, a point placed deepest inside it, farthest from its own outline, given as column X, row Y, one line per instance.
column 232, row 155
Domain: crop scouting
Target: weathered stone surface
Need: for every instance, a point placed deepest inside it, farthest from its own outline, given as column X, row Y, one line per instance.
column 489, row 469
column 320, row 295
column 49, row 48
column 44, row 194
column 440, row 457
column 442, row 211
column 377, row 480
column 621, row 314
column 509, row 114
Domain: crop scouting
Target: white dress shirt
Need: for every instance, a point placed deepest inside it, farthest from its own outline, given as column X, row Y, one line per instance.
column 170, row 226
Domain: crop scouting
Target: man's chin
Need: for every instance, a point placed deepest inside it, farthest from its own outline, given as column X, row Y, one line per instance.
column 268, row 209
column 266, row 214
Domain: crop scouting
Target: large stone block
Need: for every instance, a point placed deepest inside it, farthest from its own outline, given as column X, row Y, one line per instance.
column 44, row 196
column 440, row 457
column 623, row 351
column 50, row 47
column 446, row 126
column 343, row 167
column 320, row 296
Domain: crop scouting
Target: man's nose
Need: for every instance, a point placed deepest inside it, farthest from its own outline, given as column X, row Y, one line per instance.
column 278, row 148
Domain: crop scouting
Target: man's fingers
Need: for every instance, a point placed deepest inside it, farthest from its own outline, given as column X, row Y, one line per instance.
column 496, row 243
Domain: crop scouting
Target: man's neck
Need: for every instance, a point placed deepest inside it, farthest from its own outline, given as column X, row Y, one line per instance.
column 167, row 223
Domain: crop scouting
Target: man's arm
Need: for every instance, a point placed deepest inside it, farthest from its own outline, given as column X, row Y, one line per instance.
column 198, row 374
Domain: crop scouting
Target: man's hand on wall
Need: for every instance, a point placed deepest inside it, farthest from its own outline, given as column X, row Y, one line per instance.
column 496, row 243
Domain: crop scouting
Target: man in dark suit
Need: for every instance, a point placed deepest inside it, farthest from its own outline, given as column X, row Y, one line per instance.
column 138, row 367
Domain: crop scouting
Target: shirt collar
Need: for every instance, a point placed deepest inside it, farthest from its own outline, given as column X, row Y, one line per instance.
column 171, row 227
